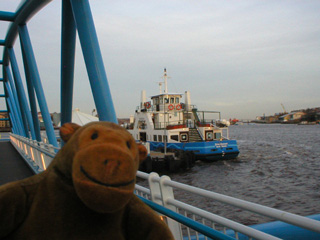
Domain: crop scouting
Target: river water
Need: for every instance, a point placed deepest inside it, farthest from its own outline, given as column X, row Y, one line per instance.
column 278, row 166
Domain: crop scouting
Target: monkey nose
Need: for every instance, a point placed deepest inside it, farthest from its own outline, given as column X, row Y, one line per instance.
column 111, row 166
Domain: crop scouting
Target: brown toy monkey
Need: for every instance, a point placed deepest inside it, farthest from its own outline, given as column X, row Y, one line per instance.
column 86, row 192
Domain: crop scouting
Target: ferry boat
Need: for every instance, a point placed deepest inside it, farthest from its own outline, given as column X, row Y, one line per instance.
column 168, row 124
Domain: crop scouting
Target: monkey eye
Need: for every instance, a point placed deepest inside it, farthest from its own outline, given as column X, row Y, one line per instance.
column 128, row 144
column 94, row 136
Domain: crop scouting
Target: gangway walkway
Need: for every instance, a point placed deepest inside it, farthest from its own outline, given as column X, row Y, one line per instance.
column 12, row 166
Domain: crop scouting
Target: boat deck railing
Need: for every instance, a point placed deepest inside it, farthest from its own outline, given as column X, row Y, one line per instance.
column 160, row 191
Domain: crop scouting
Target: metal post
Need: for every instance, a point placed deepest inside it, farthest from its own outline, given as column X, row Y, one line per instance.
column 25, row 111
column 14, row 91
column 13, row 127
column 68, row 45
column 154, row 187
column 167, row 193
column 15, row 119
column 34, row 74
column 32, row 99
column 19, row 96
column 5, row 90
column 93, row 59
column 13, row 108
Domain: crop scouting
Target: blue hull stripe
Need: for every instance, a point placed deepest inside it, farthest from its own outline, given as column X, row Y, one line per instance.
column 212, row 148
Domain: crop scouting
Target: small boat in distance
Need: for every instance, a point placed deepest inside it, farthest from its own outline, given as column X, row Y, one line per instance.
column 168, row 124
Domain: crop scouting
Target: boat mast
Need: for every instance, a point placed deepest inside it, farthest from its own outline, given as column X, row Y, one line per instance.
column 160, row 87
column 165, row 76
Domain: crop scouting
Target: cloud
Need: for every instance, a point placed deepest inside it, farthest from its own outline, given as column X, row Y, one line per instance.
column 242, row 57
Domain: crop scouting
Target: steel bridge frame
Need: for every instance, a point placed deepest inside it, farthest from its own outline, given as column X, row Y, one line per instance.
column 23, row 115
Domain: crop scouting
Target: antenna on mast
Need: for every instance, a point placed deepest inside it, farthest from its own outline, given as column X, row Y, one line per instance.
column 160, row 87
column 165, row 77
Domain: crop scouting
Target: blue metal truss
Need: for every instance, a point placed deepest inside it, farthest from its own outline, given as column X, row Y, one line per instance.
column 22, row 110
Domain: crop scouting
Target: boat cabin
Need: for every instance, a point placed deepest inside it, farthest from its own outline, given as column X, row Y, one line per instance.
column 167, row 102
column 167, row 110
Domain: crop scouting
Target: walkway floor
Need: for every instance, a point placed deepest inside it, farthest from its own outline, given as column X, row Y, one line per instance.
column 12, row 165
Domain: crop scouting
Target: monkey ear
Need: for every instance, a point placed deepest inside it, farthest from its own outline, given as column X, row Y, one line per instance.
column 143, row 152
column 67, row 130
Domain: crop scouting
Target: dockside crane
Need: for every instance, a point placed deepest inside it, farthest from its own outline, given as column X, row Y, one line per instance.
column 284, row 109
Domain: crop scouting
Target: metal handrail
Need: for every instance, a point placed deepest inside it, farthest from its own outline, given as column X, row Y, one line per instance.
column 287, row 217
column 214, row 234
column 38, row 155
column 168, row 201
column 36, row 146
column 222, row 221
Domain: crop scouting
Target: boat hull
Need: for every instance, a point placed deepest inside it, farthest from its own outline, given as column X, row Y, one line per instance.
column 206, row 151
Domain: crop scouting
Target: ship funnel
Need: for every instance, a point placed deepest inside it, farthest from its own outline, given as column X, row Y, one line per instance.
column 143, row 99
column 131, row 119
column 187, row 100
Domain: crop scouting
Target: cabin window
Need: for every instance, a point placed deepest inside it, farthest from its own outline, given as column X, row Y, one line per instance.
column 143, row 137
column 165, row 139
column 174, row 137
column 166, row 100
column 177, row 100
column 155, row 138
column 217, row 135
column 160, row 138
column 142, row 124
column 209, row 135
column 172, row 100
column 161, row 100
column 184, row 137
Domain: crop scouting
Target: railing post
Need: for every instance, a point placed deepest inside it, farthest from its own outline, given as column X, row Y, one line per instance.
column 37, row 157
column 167, row 193
column 42, row 163
column 154, row 188
column 30, row 149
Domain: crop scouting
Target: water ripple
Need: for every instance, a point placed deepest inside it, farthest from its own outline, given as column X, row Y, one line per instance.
column 278, row 166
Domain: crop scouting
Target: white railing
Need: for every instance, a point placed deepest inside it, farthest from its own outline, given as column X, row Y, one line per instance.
column 161, row 191
column 38, row 155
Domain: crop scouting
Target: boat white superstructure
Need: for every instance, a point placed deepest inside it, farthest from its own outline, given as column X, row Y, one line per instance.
column 166, row 122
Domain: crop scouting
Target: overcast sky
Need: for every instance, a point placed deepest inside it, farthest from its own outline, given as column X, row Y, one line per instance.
column 243, row 58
